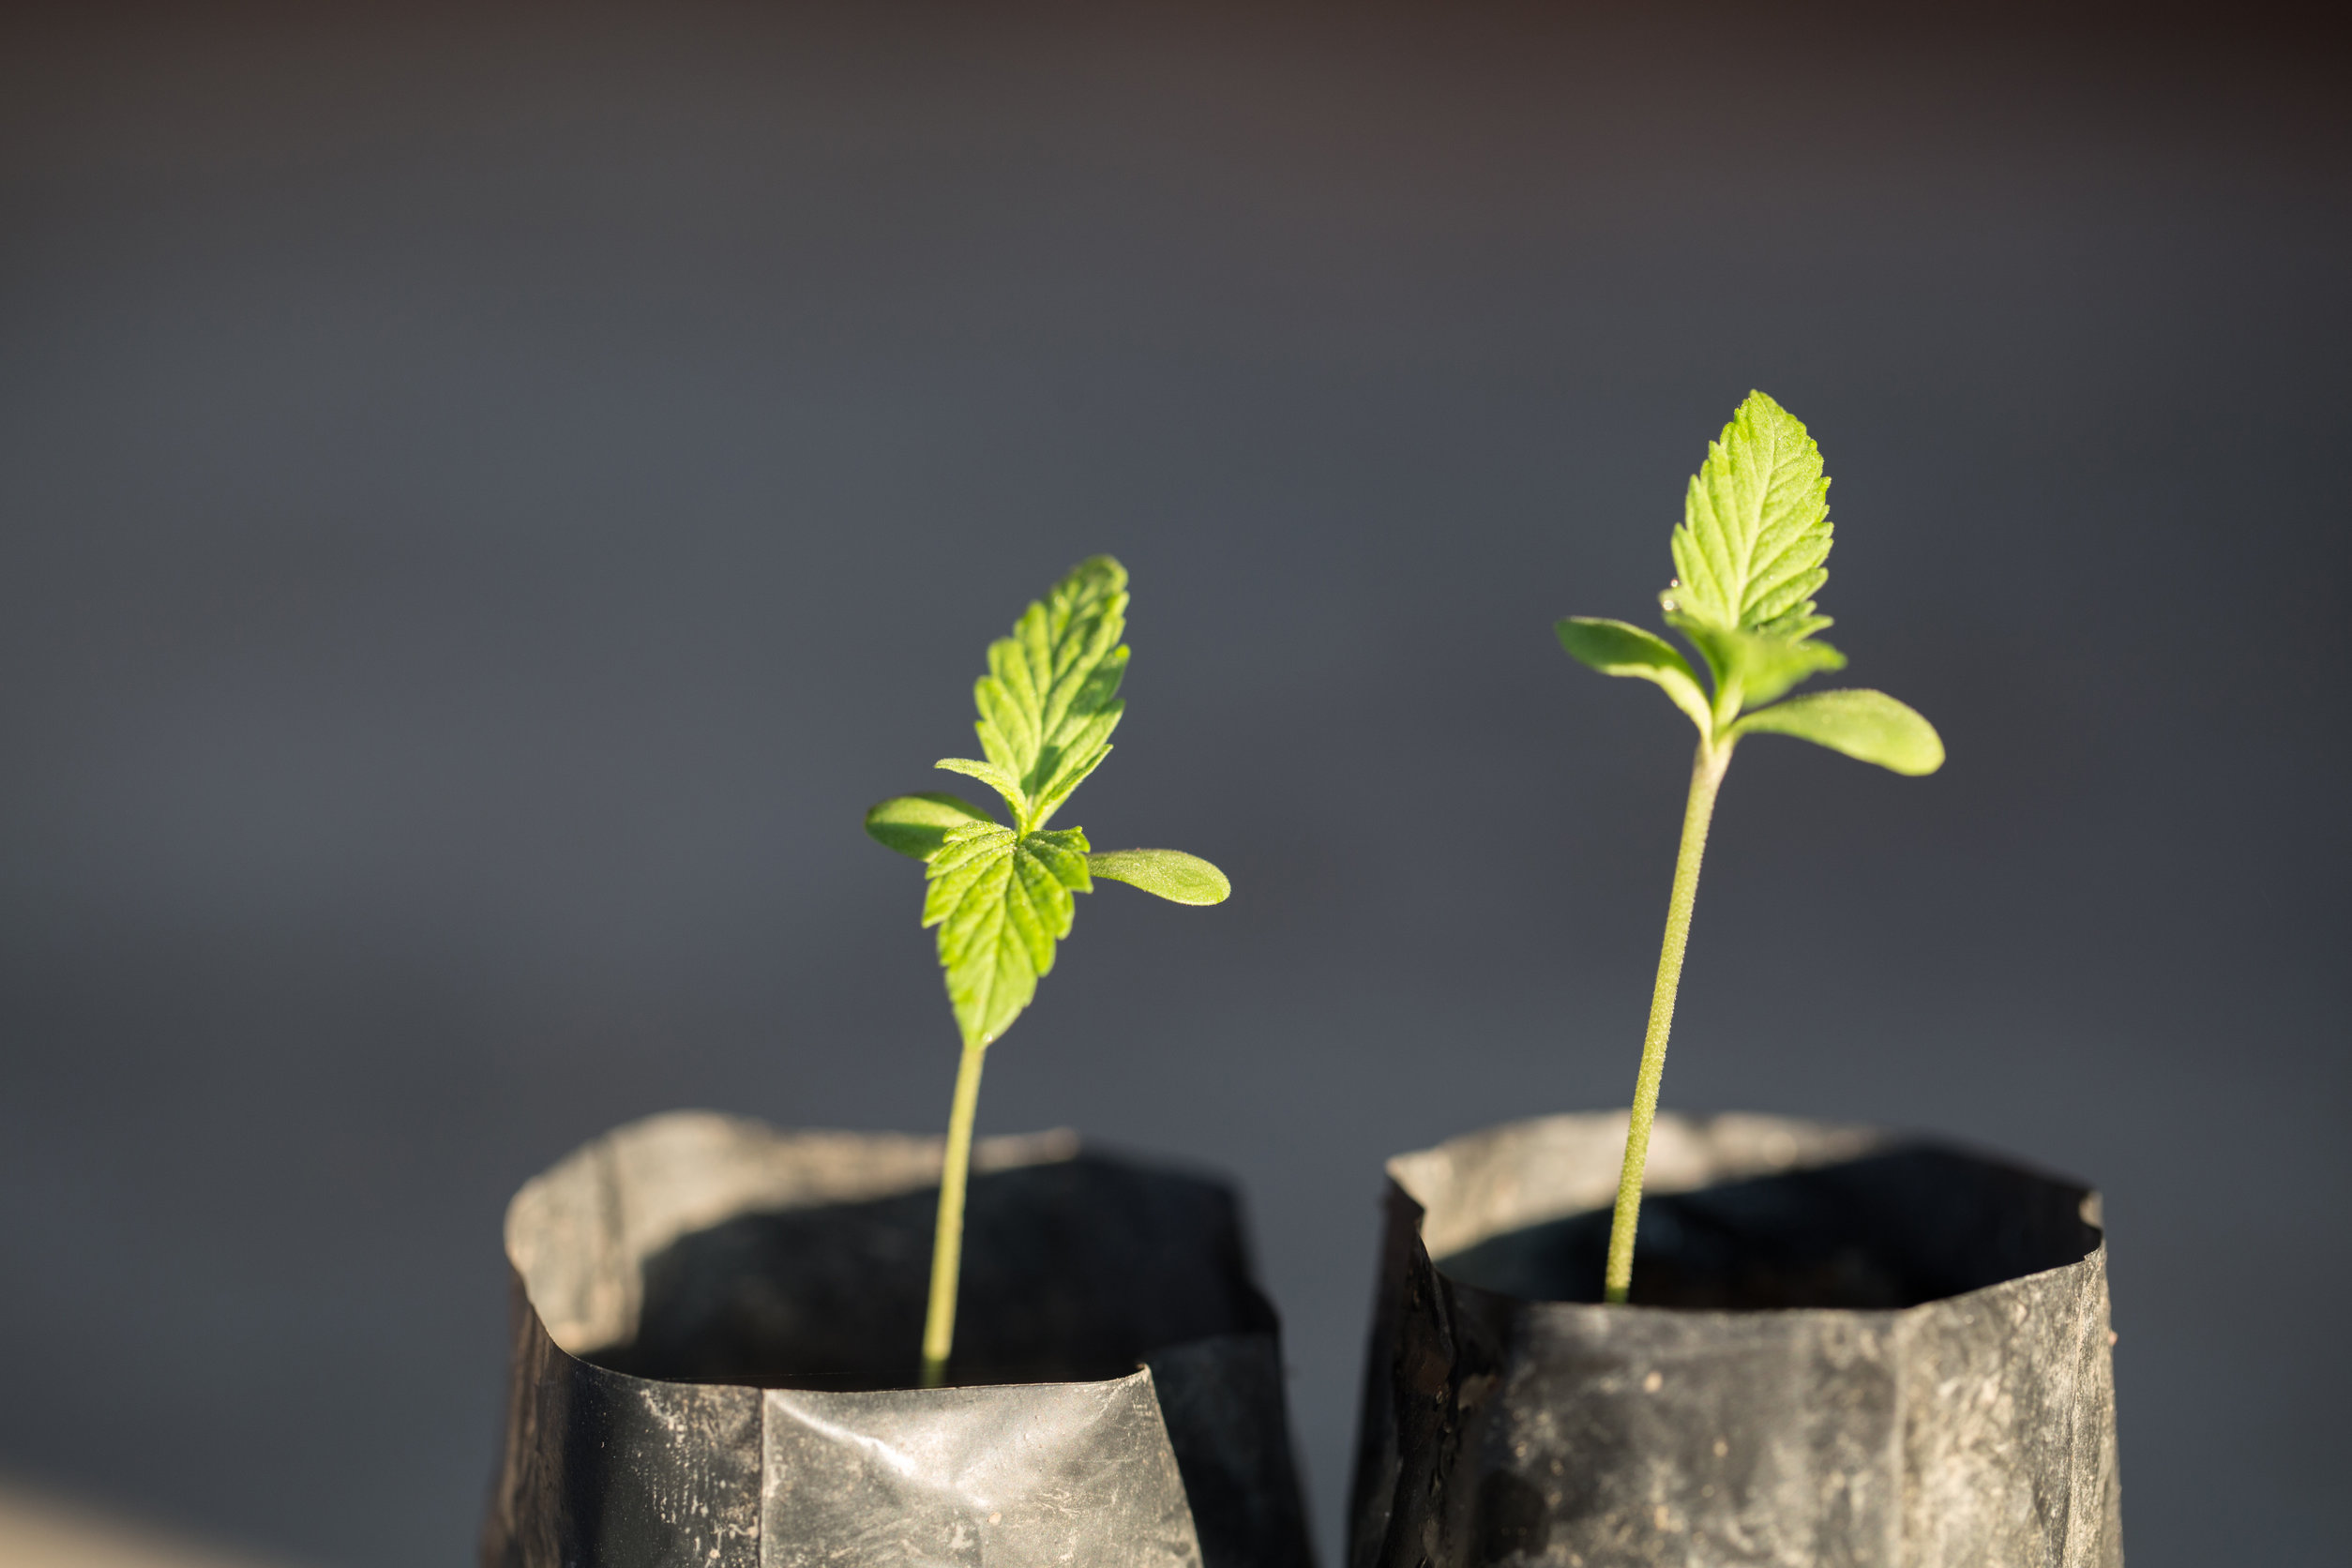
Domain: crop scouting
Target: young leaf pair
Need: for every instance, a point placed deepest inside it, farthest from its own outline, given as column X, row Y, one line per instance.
column 1003, row 895
column 1749, row 557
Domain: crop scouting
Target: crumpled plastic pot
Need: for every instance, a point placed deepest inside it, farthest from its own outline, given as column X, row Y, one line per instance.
column 716, row 1325
column 1843, row 1349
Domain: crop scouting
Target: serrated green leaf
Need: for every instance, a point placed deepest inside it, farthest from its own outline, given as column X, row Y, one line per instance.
column 1063, row 852
column 1863, row 724
column 1051, row 698
column 1755, row 527
column 1170, row 874
column 1001, row 901
column 992, row 773
column 916, row 825
column 1001, row 897
column 1618, row 648
column 960, row 860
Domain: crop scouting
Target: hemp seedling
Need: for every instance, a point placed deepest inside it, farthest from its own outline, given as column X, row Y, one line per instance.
column 1755, row 530
column 1001, row 895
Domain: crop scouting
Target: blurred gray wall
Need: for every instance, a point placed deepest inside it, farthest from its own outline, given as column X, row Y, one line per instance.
column 488, row 496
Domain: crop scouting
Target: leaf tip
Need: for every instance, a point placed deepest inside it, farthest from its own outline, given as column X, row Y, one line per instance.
column 1930, row 757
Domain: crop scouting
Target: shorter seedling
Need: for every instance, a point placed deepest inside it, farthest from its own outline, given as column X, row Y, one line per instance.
column 1001, row 895
column 1749, row 555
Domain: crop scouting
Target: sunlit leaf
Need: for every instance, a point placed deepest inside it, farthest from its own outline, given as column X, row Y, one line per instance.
column 1863, row 724
column 1171, row 874
column 1755, row 527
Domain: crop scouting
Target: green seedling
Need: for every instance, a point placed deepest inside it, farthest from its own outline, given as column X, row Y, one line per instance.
column 1001, row 895
column 1748, row 558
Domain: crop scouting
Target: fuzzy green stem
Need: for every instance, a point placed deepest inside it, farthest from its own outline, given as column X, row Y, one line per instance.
column 1706, row 770
column 947, row 1241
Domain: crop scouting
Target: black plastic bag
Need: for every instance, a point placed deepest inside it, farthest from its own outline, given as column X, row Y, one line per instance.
column 1841, row 1349
column 716, row 1325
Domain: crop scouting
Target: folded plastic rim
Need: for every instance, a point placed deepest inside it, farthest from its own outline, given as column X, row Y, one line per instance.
column 1184, row 1460
column 1967, row 1419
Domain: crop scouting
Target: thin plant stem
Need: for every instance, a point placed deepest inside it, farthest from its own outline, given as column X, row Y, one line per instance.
column 947, row 1241
column 1706, row 770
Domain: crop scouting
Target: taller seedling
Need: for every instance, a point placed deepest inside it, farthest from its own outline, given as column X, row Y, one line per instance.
column 1755, row 533
column 1001, row 895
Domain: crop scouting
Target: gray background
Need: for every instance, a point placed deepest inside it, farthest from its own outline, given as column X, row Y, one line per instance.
column 491, row 495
